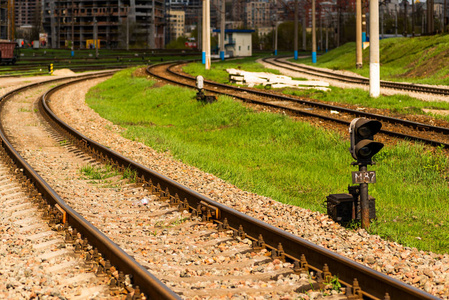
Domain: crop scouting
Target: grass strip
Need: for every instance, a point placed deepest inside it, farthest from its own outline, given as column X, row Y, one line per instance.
column 399, row 104
column 422, row 59
column 272, row 155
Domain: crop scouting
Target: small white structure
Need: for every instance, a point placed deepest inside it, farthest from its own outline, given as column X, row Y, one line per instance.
column 275, row 81
column 237, row 42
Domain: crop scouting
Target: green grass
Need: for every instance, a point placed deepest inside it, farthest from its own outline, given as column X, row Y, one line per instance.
column 97, row 173
column 398, row 104
column 218, row 71
column 130, row 174
column 272, row 155
column 418, row 60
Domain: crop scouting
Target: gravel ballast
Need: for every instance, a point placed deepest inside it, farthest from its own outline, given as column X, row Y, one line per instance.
column 427, row 271
column 424, row 270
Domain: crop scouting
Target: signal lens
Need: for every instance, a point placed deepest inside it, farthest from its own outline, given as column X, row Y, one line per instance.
column 365, row 131
column 365, row 152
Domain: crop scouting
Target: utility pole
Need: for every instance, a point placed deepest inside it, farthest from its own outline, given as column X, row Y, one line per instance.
column 203, row 34
column 413, row 17
column 363, row 26
column 127, row 30
column 200, row 31
column 276, row 38
column 296, row 31
column 430, row 22
column 382, row 20
column 405, row 18
column 153, row 27
column 321, row 31
column 206, row 34
column 73, row 31
column 147, row 20
column 396, row 20
column 313, row 32
column 222, row 30
column 374, row 64
column 11, row 29
column 338, row 24
column 358, row 32
column 97, row 43
column 423, row 23
column 53, row 24
column 304, row 32
column 327, row 34
column 444, row 14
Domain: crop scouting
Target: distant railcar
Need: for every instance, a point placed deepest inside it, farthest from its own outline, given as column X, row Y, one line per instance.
column 8, row 52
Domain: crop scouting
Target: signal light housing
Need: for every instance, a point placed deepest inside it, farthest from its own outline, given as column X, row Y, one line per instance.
column 363, row 147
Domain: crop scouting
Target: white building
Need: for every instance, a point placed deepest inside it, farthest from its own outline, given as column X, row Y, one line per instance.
column 237, row 42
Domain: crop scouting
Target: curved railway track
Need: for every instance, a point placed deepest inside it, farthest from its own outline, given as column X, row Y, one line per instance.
column 78, row 230
column 275, row 261
column 42, row 70
column 392, row 126
column 319, row 72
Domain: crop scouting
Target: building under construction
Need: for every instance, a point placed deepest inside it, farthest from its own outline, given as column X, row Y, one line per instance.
column 114, row 23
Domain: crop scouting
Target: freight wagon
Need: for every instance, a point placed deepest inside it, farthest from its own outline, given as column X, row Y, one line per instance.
column 8, row 52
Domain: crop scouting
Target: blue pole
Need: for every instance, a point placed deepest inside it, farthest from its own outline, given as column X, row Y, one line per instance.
column 204, row 58
column 296, row 54
column 222, row 54
column 314, row 57
column 276, row 52
column 73, row 53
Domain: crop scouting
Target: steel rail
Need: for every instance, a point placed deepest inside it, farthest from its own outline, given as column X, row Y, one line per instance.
column 148, row 283
column 356, row 113
column 358, row 80
column 373, row 283
column 34, row 72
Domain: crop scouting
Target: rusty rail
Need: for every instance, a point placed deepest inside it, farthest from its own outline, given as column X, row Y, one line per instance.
column 375, row 285
column 356, row 113
column 358, row 80
column 148, row 284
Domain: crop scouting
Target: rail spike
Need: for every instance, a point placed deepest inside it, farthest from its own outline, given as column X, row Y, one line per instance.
column 183, row 205
column 259, row 244
column 326, row 273
column 356, row 289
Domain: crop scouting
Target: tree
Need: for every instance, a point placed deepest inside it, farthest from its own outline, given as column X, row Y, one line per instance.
column 179, row 43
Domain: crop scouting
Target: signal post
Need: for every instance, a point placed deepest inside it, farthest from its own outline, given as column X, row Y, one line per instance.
column 363, row 148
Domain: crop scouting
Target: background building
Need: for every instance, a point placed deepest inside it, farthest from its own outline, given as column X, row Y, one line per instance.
column 177, row 24
column 141, row 20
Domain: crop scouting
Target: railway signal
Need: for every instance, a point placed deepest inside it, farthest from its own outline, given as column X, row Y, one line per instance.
column 357, row 204
column 200, row 96
column 363, row 147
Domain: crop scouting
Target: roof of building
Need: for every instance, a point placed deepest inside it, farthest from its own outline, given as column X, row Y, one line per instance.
column 236, row 30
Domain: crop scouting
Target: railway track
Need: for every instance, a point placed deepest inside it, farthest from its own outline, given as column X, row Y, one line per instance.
column 196, row 246
column 42, row 69
column 392, row 126
column 36, row 263
column 323, row 73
